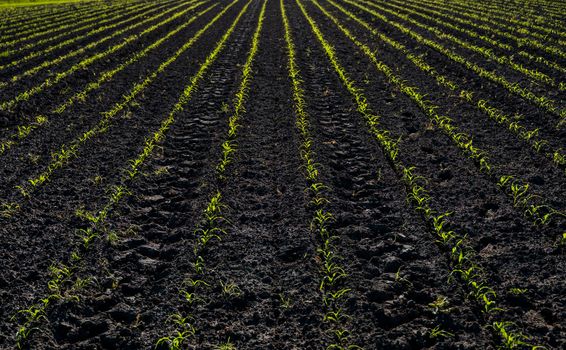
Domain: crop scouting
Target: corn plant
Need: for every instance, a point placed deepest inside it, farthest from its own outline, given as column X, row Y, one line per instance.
column 332, row 271
column 462, row 256
column 512, row 339
column 437, row 332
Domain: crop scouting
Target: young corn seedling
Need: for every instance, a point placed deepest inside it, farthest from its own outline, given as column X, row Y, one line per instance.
column 189, row 297
column 438, row 223
column 87, row 236
column 437, row 332
column 335, row 316
column 7, row 210
column 517, row 291
column 512, row 339
column 230, row 290
column 401, row 279
column 187, row 330
column 199, row 265
column 226, row 346
column 439, row 305
column 286, row 302
column 519, row 192
column 331, row 297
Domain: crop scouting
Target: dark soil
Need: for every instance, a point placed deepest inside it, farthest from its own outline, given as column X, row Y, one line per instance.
column 396, row 270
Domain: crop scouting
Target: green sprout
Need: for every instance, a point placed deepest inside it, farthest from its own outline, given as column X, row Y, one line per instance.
column 436, row 332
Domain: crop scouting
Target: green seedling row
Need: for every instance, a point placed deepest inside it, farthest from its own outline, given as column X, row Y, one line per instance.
column 58, row 77
column 212, row 219
column 25, row 130
column 48, row 22
column 497, row 18
column 67, row 29
column 487, row 38
column 333, row 272
column 63, row 283
column 10, row 29
column 542, row 214
column 125, row 17
column 512, row 123
column 461, row 256
column 487, row 52
column 514, row 33
column 543, row 102
column 61, row 157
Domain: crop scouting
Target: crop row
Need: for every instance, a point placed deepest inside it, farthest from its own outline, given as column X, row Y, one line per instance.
column 533, row 58
column 64, row 284
column 49, row 22
column 528, row 8
column 119, row 19
column 48, row 63
column 58, row 77
column 15, row 16
column 550, row 105
column 517, row 189
column 484, row 51
column 500, row 14
column 65, row 153
column 67, row 29
column 24, row 130
column 211, row 226
column 17, row 27
column 333, row 272
column 530, row 136
column 462, row 257
column 526, row 37
column 544, row 102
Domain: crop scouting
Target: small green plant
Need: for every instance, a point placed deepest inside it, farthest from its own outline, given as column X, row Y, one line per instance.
column 400, row 279
column 97, row 180
column 439, row 305
column 512, row 339
column 9, row 209
column 186, row 330
column 112, row 238
column 517, row 291
column 228, row 345
column 335, row 316
column 162, row 170
column 34, row 158
column 437, row 332
column 284, row 301
column 230, row 290
column 189, row 297
column 199, row 265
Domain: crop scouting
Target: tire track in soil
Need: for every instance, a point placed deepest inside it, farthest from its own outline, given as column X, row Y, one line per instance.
column 378, row 231
column 508, row 153
column 26, row 234
column 131, row 313
column 34, row 153
column 490, row 135
column 268, row 251
column 483, row 88
column 514, row 253
column 134, row 62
